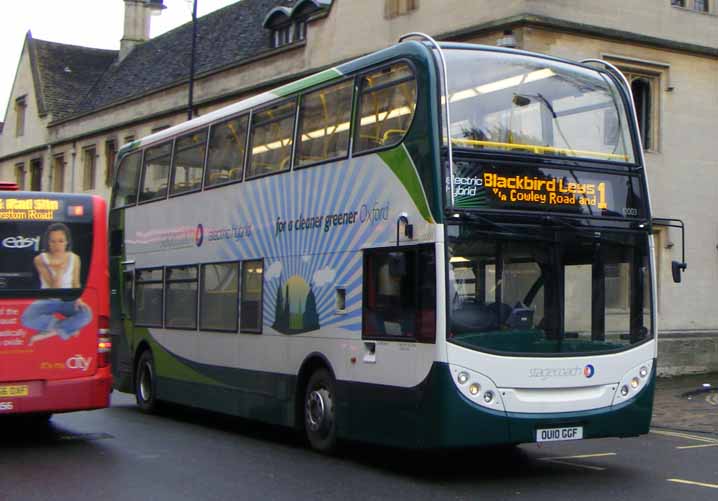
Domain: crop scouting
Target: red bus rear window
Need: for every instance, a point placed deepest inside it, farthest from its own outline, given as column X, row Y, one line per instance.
column 45, row 245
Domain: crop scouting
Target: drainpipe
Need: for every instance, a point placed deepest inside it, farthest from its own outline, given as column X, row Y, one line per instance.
column 50, row 169
column 73, row 152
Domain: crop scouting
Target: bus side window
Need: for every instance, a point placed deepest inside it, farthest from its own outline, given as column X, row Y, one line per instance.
column 219, row 293
column 272, row 132
column 387, row 101
column 181, row 297
column 227, row 147
column 149, row 297
column 250, row 315
column 188, row 162
column 399, row 294
column 128, row 305
column 155, row 172
column 324, row 117
column 128, row 177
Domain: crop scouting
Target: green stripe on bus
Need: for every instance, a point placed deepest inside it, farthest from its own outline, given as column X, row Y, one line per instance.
column 305, row 83
column 171, row 366
column 400, row 162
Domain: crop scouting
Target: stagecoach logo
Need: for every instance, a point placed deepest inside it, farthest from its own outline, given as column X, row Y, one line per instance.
column 554, row 372
column 21, row 242
column 589, row 371
column 6, row 406
column 199, row 235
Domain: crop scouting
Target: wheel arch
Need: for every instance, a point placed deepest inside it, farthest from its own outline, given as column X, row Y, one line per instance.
column 141, row 348
column 312, row 362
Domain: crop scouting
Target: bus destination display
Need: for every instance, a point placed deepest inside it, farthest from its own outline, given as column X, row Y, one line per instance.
column 487, row 186
column 24, row 208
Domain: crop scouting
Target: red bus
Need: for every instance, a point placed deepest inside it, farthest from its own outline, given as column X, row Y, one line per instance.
column 54, row 303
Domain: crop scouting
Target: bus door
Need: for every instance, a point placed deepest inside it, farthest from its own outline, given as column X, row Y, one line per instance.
column 396, row 351
column 121, row 323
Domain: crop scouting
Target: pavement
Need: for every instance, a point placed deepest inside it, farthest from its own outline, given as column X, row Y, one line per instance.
column 687, row 403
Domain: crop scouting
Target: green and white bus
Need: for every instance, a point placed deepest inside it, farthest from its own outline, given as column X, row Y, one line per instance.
column 434, row 245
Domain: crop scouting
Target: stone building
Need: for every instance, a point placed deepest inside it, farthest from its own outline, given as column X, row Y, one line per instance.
column 72, row 107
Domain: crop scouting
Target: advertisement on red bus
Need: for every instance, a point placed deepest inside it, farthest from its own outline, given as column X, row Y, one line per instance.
column 54, row 303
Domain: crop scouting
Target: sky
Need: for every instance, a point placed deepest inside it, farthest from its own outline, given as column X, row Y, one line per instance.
column 90, row 23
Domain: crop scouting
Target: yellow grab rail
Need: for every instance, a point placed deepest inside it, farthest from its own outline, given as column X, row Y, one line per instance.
column 538, row 148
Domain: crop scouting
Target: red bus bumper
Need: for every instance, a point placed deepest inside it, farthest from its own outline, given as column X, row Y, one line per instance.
column 61, row 396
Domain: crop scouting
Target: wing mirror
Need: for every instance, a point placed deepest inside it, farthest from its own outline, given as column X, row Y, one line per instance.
column 677, row 267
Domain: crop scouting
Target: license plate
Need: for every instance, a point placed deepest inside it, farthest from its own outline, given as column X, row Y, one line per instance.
column 559, row 434
column 21, row 390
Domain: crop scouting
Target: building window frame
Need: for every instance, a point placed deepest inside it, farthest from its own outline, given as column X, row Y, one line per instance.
column 89, row 167
column 20, row 175
column 396, row 8
column 652, row 77
column 699, row 6
column 36, row 174
column 20, row 111
column 58, row 173
column 110, row 157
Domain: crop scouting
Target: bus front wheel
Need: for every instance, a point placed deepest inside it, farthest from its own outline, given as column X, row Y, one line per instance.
column 146, row 383
column 319, row 415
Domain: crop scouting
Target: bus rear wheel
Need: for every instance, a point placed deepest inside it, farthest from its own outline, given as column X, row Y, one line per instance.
column 146, row 383
column 319, row 414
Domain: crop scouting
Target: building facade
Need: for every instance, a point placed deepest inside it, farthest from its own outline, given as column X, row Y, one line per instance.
column 71, row 108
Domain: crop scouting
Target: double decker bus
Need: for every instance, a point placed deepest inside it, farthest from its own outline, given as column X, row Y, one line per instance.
column 54, row 303
column 434, row 245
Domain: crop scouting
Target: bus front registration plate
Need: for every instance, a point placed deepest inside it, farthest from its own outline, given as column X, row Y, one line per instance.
column 21, row 390
column 558, row 434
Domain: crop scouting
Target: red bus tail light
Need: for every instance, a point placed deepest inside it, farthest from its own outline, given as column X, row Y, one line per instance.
column 104, row 343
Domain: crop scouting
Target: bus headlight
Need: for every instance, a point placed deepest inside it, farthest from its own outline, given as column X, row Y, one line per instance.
column 633, row 382
column 477, row 388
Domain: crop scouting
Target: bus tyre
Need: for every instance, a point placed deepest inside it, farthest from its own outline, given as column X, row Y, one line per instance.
column 146, row 383
column 319, row 416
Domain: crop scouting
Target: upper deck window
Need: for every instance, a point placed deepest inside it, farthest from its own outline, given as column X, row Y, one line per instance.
column 128, row 175
column 324, row 117
column 188, row 162
column 386, row 106
column 272, row 131
column 227, row 142
column 530, row 105
column 156, row 172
